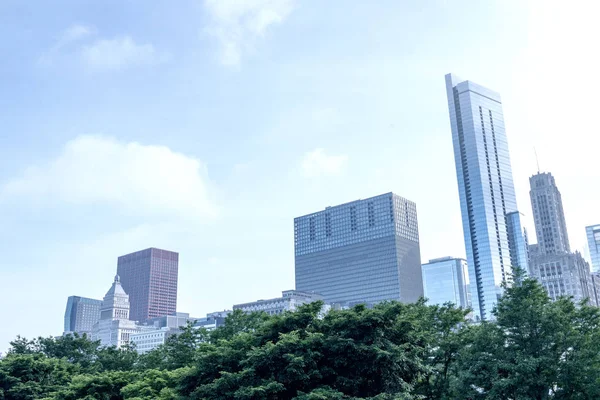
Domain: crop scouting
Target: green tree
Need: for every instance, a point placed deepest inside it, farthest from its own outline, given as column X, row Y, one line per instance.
column 536, row 349
column 32, row 376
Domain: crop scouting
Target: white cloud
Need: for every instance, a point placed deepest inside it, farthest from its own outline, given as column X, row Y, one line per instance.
column 237, row 24
column 120, row 52
column 74, row 33
column 318, row 163
column 140, row 179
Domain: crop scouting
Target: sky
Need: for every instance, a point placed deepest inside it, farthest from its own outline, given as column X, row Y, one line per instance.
column 206, row 127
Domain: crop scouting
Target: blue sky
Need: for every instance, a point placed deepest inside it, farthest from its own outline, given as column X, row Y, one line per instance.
column 206, row 127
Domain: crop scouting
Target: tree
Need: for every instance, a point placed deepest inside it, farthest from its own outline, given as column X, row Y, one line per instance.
column 32, row 376
column 536, row 349
column 357, row 353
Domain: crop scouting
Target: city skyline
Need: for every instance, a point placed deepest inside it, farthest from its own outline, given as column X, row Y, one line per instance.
column 119, row 136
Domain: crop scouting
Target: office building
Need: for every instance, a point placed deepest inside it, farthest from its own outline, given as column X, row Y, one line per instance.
column 213, row 320
column 150, row 278
column 486, row 188
column 81, row 314
column 174, row 321
column 548, row 215
column 446, row 280
column 363, row 251
column 151, row 339
column 290, row 300
column 518, row 241
column 593, row 237
column 114, row 327
column 564, row 274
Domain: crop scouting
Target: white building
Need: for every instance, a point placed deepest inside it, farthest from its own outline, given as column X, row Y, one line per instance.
column 114, row 327
column 149, row 340
column 290, row 300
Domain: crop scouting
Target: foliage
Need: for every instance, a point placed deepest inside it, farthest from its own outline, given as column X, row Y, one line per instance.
column 533, row 349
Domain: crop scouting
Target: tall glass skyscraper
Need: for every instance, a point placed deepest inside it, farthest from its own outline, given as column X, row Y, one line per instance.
column 149, row 277
column 485, row 185
column 446, row 280
column 518, row 241
column 365, row 251
column 593, row 237
column 81, row 314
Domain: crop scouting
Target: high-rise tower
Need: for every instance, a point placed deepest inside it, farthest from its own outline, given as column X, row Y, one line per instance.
column 150, row 278
column 365, row 251
column 548, row 215
column 486, row 188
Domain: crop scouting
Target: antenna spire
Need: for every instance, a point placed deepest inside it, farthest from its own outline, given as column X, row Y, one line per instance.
column 536, row 159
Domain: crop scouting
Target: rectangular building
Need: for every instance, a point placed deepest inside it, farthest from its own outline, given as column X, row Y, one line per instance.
column 81, row 314
column 446, row 280
column 486, row 188
column 150, row 279
column 290, row 300
column 518, row 242
column 593, row 237
column 564, row 274
column 363, row 251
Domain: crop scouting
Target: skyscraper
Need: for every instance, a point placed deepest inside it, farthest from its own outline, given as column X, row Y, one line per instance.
column 150, row 278
column 81, row 314
column 114, row 326
column 559, row 271
column 446, row 280
column 363, row 251
column 485, row 185
column 548, row 215
column 518, row 241
column 593, row 237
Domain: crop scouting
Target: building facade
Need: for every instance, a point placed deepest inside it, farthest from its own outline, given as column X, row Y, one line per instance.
column 148, row 340
column 565, row 274
column 81, row 314
column 486, row 188
column 114, row 327
column 362, row 251
column 593, row 237
column 290, row 300
column 548, row 215
column 518, row 241
column 150, row 278
column 446, row 280
column 212, row 320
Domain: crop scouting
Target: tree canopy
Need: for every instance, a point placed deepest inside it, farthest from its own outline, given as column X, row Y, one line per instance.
column 533, row 349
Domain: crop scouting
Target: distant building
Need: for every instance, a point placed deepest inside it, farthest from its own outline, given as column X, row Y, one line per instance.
column 518, row 241
column 365, row 251
column 548, row 215
column 212, row 320
column 446, row 280
column 595, row 277
column 81, row 314
column 150, row 278
column 290, row 300
column 114, row 326
column 565, row 274
column 560, row 272
column 174, row 321
column 486, row 189
column 149, row 340
column 593, row 237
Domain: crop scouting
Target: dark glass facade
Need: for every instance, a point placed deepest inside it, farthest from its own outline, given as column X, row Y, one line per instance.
column 363, row 251
column 150, row 279
column 81, row 314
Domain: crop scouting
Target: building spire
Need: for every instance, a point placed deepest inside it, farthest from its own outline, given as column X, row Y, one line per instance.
column 536, row 159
